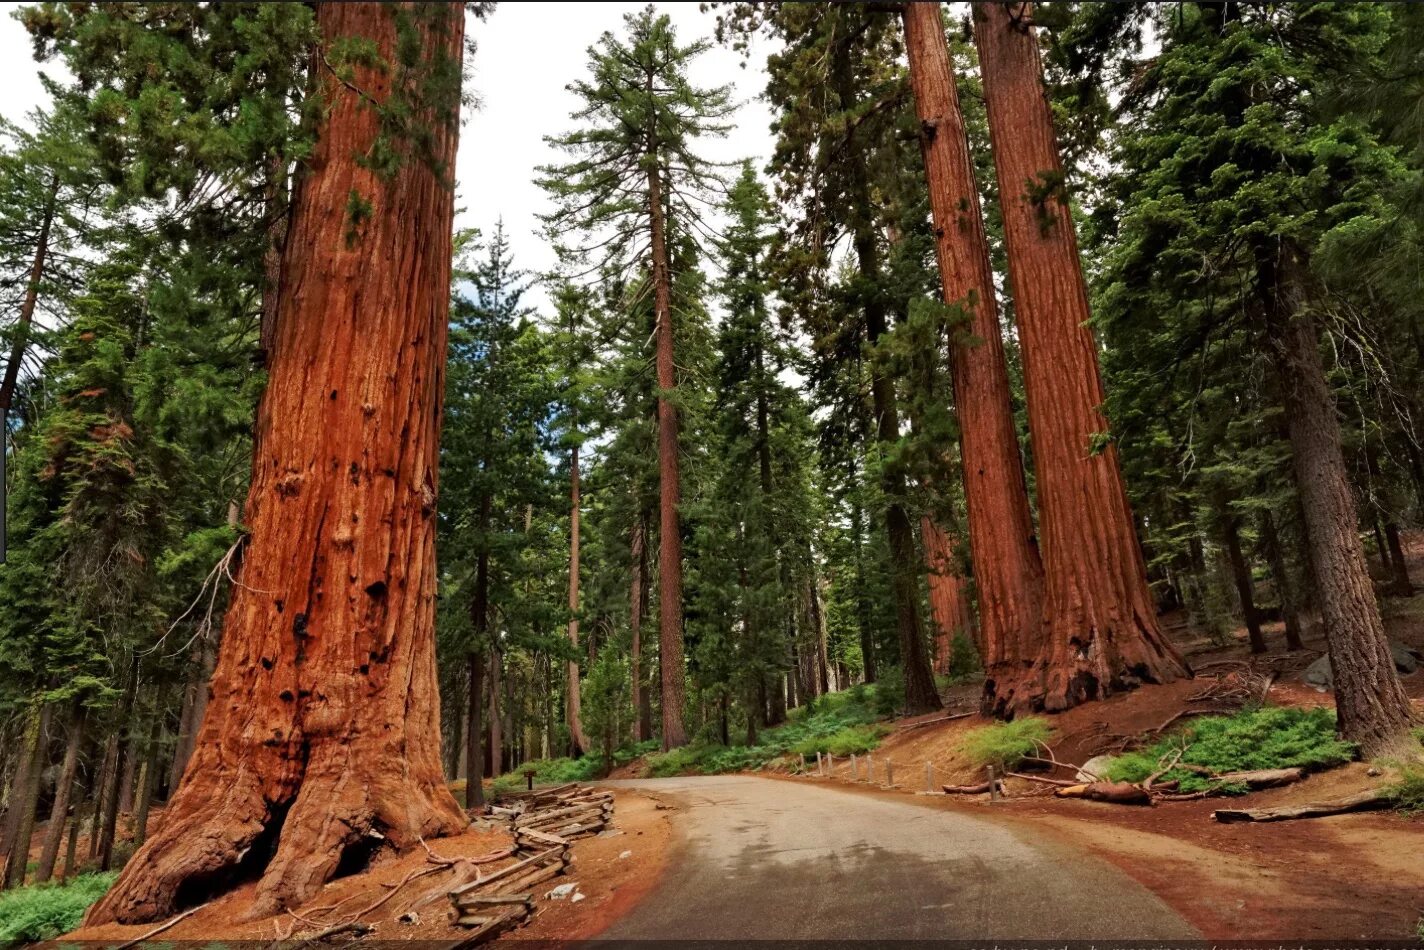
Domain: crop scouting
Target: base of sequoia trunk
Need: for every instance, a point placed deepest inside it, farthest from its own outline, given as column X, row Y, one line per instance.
column 1052, row 684
column 220, row 830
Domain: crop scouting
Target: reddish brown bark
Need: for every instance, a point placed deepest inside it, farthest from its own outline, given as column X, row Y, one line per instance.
column 1100, row 623
column 1007, row 571
column 474, row 732
column 1241, row 577
column 1370, row 703
column 1290, row 610
column 1400, row 584
column 323, row 727
column 24, row 795
column 669, row 485
column 949, row 592
column 572, row 705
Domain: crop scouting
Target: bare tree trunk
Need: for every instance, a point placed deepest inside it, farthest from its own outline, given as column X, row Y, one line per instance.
column 494, row 762
column 324, row 720
column 1400, row 584
column 474, row 733
column 17, row 348
column 123, row 745
column 642, row 727
column 1007, row 572
column 1241, row 576
column 572, row 703
column 1290, row 610
column 195, row 705
column 24, row 799
column 145, row 783
column 63, row 791
column 1370, row 703
column 1100, row 622
column 670, row 489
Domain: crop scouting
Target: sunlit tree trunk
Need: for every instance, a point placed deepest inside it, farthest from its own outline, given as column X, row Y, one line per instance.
column 323, row 726
column 572, row 705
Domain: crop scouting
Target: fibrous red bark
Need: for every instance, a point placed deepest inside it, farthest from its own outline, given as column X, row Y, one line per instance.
column 1007, row 572
column 949, row 592
column 323, row 728
column 1101, row 633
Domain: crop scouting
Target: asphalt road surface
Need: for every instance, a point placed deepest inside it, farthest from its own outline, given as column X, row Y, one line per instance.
column 775, row 860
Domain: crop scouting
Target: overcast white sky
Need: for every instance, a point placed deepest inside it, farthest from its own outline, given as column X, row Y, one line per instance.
column 528, row 53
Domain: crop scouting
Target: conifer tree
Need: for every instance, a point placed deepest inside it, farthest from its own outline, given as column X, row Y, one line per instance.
column 633, row 180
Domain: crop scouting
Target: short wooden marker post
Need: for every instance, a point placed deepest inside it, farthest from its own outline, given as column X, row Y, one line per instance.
column 929, row 777
column 869, row 768
column 889, row 773
column 993, row 784
column 820, row 765
column 854, row 772
column 802, row 757
column 830, row 765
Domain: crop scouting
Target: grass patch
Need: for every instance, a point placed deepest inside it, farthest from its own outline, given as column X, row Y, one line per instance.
column 1004, row 744
column 1272, row 737
column 838, row 723
column 551, row 772
column 1408, row 792
column 44, row 911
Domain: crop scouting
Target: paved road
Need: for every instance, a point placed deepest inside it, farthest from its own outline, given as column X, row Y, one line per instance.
column 802, row 861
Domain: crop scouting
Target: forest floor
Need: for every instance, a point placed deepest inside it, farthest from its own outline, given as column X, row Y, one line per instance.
column 609, row 881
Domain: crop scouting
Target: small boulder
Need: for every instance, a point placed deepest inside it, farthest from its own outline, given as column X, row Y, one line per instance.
column 1095, row 769
column 1406, row 660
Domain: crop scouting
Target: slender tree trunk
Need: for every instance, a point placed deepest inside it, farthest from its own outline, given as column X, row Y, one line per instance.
column 71, row 846
column 818, row 626
column 1100, row 622
column 324, row 720
column 195, row 704
column 1380, row 546
column 1290, row 610
column 23, row 323
column 862, row 592
column 494, row 763
column 24, row 799
column 670, row 489
column 638, row 564
column 1241, row 577
column 145, row 783
column 1370, row 703
column 1400, row 584
column 107, row 764
column 63, row 791
column 572, row 703
column 129, row 780
column 474, row 733
column 123, row 745
column 1007, row 572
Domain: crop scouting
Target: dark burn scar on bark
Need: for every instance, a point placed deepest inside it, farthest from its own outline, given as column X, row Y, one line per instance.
column 285, row 696
column 355, row 472
column 376, row 589
column 280, row 604
column 266, row 663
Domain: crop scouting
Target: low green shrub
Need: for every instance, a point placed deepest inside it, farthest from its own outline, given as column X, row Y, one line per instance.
column 1408, row 792
column 850, row 740
column 1005, row 744
column 1272, row 737
column 44, row 911
column 551, row 772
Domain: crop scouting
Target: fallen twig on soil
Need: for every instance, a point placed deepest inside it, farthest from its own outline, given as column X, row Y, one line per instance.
column 981, row 789
column 160, row 928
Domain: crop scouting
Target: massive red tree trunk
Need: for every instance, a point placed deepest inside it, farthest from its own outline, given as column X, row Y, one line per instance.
column 1100, row 623
column 323, row 729
column 1007, row 571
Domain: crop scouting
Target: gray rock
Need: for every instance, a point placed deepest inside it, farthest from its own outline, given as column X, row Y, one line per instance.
column 1094, row 769
column 1406, row 660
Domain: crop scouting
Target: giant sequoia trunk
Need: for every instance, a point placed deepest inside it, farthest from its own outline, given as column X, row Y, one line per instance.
column 1007, row 572
column 572, row 705
column 323, row 728
column 669, row 486
column 1101, row 634
column 1370, row 703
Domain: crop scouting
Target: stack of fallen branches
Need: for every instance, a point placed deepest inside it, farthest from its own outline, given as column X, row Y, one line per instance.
column 570, row 811
column 1151, row 789
column 543, row 822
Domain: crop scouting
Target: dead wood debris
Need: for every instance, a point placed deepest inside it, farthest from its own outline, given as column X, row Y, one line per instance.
column 1363, row 801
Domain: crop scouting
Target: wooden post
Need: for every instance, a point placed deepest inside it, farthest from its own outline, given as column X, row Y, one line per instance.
column 830, row 765
column 929, row 777
column 854, row 773
column 869, row 767
column 993, row 784
column 889, row 773
column 820, row 765
column 802, row 757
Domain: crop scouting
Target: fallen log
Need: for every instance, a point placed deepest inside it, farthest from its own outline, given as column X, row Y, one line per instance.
column 505, row 872
column 1261, row 778
column 1119, row 793
column 981, row 789
column 1364, row 801
column 489, row 927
